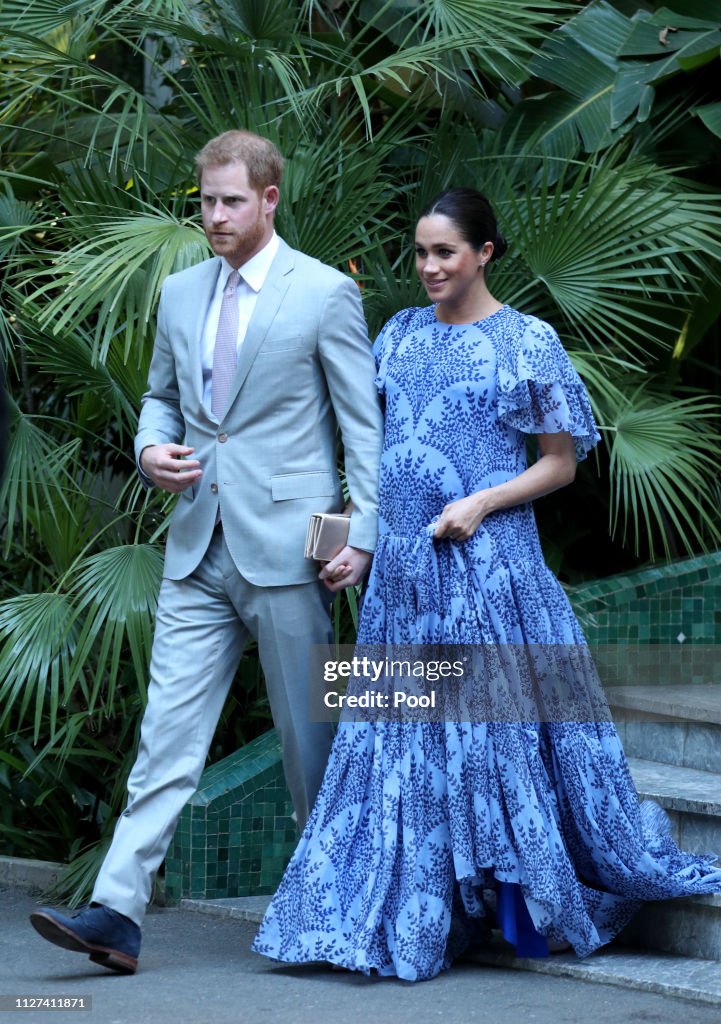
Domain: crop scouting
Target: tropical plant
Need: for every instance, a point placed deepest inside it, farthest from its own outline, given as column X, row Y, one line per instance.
column 377, row 105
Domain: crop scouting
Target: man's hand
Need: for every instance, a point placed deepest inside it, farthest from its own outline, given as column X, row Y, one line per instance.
column 169, row 467
column 347, row 568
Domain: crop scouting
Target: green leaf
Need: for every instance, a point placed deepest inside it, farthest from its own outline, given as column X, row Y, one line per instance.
column 607, row 240
column 591, row 60
column 16, row 220
column 75, row 884
column 710, row 114
column 116, row 595
column 112, row 387
column 700, row 9
column 119, row 271
column 36, row 646
column 664, row 458
column 37, row 471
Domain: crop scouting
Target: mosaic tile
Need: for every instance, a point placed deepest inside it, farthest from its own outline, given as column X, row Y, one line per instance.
column 654, row 605
column 236, row 833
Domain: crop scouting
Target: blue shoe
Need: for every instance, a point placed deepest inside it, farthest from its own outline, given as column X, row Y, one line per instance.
column 109, row 938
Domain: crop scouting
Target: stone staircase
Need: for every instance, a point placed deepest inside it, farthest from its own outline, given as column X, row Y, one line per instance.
column 672, row 737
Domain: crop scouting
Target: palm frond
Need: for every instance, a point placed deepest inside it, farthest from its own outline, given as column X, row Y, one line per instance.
column 77, row 740
column 118, row 272
column 389, row 286
column 64, row 531
column 116, row 593
column 604, row 375
column 516, row 29
column 665, row 458
column 336, row 196
column 37, row 472
column 41, row 68
column 75, row 884
column 109, row 391
column 17, row 218
column 616, row 253
column 36, row 646
column 43, row 18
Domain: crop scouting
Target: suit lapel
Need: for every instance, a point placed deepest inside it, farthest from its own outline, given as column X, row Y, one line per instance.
column 269, row 301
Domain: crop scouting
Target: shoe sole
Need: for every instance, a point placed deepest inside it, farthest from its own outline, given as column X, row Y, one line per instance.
column 59, row 935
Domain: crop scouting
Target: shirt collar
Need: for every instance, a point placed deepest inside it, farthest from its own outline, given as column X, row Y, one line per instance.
column 255, row 271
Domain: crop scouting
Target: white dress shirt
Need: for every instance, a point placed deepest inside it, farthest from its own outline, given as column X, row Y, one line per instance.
column 252, row 278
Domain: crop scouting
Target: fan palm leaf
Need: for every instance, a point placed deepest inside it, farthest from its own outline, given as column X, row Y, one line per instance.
column 115, row 596
column 664, row 460
column 108, row 391
column 41, row 70
column 37, row 472
column 118, row 273
column 36, row 645
column 617, row 246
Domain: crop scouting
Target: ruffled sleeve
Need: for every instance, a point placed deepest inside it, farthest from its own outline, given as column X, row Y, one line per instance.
column 539, row 391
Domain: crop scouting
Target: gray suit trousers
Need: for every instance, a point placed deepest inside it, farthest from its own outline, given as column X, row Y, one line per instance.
column 203, row 624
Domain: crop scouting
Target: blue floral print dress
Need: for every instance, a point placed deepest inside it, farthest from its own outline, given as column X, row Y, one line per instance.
column 425, row 834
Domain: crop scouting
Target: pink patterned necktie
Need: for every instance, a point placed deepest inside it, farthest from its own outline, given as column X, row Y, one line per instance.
column 225, row 353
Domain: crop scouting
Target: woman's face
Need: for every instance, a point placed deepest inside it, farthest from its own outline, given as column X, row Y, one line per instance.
column 448, row 265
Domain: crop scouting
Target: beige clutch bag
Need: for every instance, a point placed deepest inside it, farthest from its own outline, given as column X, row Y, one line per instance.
column 327, row 534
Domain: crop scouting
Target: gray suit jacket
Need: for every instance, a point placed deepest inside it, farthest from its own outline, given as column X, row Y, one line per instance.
column 304, row 368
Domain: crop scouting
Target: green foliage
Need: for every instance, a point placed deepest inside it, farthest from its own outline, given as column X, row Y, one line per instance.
column 606, row 67
column 597, row 144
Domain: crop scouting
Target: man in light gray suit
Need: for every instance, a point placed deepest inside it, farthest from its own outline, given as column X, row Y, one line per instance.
column 251, row 375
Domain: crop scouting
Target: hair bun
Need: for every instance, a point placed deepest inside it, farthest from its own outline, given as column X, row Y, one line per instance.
column 499, row 247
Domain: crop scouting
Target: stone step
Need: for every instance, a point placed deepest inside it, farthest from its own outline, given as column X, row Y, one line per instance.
column 677, row 788
column 689, row 927
column 693, row 702
column 684, row 977
column 692, row 799
column 679, row 725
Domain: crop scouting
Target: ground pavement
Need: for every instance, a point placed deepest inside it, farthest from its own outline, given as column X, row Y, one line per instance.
column 197, row 968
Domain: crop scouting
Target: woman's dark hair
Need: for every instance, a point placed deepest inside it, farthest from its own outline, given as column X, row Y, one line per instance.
column 472, row 215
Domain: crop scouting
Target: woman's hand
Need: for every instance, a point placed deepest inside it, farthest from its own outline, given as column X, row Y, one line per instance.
column 555, row 467
column 461, row 519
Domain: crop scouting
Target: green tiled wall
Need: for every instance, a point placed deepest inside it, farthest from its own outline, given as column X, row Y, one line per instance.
column 675, row 603
column 235, row 834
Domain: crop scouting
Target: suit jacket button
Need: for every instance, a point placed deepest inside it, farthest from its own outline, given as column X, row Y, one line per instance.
column 222, row 438
column 213, row 488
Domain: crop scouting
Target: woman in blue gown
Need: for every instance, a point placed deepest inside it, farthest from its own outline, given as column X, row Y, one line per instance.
column 427, row 833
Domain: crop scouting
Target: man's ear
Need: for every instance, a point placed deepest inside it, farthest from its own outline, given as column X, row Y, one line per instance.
column 271, row 198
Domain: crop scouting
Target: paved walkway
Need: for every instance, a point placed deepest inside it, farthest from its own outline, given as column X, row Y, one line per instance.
column 197, row 968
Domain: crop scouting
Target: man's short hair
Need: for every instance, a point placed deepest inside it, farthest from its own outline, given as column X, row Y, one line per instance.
column 261, row 158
